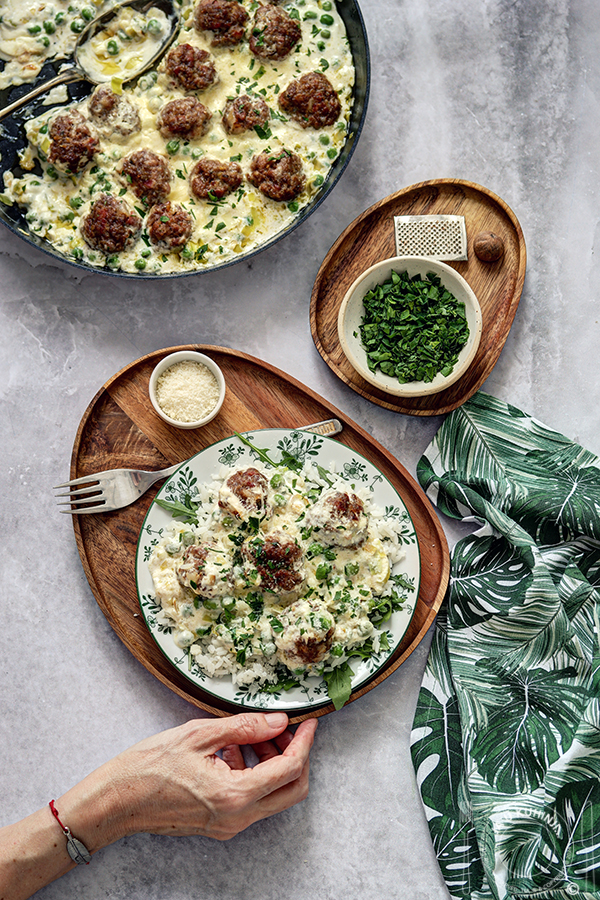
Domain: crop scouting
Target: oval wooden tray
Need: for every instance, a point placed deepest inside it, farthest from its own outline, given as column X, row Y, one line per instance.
column 371, row 237
column 121, row 429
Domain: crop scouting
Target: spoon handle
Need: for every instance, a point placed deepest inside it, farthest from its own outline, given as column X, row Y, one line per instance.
column 65, row 77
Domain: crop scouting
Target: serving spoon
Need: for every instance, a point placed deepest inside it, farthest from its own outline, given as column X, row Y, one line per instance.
column 77, row 71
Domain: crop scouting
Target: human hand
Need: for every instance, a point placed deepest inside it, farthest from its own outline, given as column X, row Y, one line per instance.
column 175, row 783
column 172, row 783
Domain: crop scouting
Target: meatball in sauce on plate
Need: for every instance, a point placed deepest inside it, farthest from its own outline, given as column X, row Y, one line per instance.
column 224, row 18
column 279, row 176
column 111, row 225
column 274, row 33
column 187, row 119
column 148, row 174
column 169, row 225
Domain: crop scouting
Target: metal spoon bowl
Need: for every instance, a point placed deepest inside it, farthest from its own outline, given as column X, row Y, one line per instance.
column 76, row 71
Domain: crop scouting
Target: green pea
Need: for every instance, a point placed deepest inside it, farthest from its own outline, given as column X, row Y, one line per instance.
column 293, row 206
column 112, row 47
column 113, row 262
column 318, row 180
column 324, row 139
column 321, row 45
column 311, row 14
column 326, row 5
column 140, row 263
column 146, row 253
column 87, row 14
column 326, row 19
column 154, row 26
column 331, row 153
column 45, row 41
column 59, row 18
column 322, row 571
column 49, row 26
column 34, row 29
column 187, row 253
column 77, row 25
column 325, row 32
column 172, row 147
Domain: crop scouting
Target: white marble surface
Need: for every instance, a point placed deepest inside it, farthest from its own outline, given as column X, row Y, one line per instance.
column 505, row 93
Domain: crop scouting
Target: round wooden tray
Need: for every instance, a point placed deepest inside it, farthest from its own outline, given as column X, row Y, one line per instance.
column 371, row 238
column 121, row 429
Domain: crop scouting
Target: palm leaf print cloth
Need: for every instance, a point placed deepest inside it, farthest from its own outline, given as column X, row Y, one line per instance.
column 506, row 735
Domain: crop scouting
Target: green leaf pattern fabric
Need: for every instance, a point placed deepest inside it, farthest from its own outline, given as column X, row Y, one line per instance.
column 506, row 735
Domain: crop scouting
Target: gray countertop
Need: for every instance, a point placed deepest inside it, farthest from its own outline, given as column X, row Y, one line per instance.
column 504, row 93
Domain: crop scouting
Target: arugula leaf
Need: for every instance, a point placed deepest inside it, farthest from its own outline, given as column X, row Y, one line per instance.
column 339, row 684
column 262, row 454
column 287, row 461
column 177, row 509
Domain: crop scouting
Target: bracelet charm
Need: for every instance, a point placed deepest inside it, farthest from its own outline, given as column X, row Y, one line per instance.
column 78, row 852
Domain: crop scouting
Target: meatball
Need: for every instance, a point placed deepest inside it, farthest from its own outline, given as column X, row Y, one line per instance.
column 211, row 179
column 307, row 635
column 278, row 176
column 187, row 119
column 169, row 225
column 148, row 174
column 338, row 518
column 225, row 18
column 274, row 33
column 114, row 115
column 191, row 68
column 244, row 494
column 204, row 570
column 278, row 561
column 72, row 142
column 311, row 100
column 245, row 113
column 111, row 225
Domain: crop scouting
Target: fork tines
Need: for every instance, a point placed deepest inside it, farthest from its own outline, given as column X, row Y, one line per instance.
column 90, row 493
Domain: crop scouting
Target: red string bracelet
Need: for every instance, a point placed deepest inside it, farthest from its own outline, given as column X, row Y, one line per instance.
column 78, row 852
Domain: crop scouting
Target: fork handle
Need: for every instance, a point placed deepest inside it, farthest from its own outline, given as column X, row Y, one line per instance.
column 146, row 479
column 329, row 427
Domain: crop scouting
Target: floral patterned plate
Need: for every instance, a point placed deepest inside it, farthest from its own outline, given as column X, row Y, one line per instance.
column 329, row 454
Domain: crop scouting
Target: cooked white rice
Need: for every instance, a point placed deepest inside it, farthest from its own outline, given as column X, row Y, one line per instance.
column 234, row 623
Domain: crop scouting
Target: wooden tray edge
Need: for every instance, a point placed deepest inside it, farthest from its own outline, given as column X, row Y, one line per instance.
column 394, row 663
column 362, row 387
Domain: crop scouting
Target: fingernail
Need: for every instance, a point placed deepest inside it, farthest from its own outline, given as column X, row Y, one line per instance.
column 276, row 720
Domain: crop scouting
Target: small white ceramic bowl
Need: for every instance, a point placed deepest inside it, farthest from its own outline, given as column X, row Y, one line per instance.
column 352, row 311
column 183, row 356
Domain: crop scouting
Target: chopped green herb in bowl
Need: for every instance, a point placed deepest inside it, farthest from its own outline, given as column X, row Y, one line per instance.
column 410, row 326
column 413, row 327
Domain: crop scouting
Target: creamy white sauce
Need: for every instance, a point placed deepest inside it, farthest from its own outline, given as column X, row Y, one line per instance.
column 34, row 31
column 227, row 609
column 240, row 222
column 125, row 47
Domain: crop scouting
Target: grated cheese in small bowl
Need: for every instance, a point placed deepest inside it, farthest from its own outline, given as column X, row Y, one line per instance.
column 187, row 389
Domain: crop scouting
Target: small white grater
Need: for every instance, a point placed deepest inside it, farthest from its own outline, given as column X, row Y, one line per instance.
column 436, row 237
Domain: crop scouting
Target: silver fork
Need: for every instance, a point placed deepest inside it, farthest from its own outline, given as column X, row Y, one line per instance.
column 116, row 488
